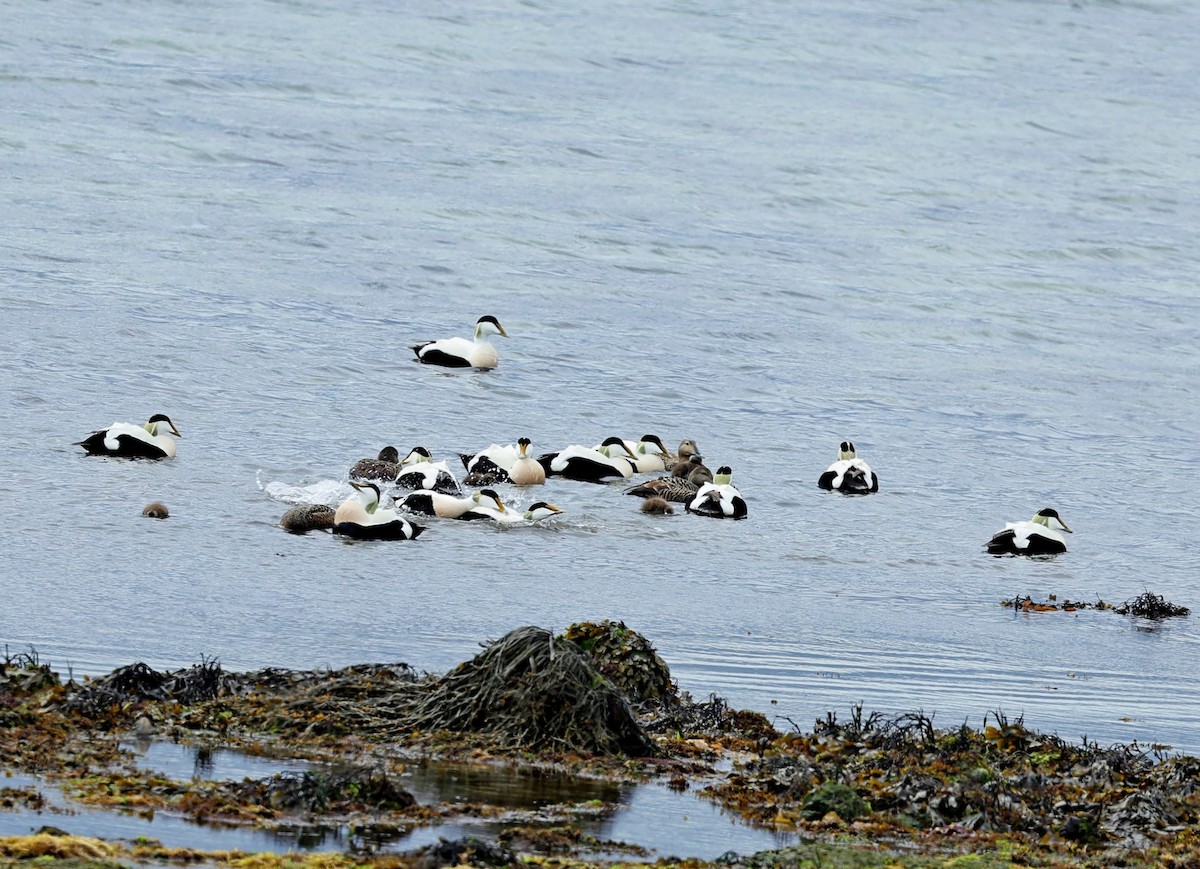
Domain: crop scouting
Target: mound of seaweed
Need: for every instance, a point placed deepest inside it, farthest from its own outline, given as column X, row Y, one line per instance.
column 139, row 682
column 21, row 677
column 711, row 718
column 342, row 788
column 532, row 690
column 628, row 660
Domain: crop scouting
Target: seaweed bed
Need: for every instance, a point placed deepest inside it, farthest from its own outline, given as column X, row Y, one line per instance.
column 864, row 790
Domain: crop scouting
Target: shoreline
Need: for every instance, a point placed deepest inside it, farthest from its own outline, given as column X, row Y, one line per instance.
column 596, row 705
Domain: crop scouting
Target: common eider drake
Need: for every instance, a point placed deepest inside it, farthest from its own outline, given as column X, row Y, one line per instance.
column 539, row 510
column 429, row 503
column 128, row 441
column 360, row 517
column 503, row 464
column 681, row 486
column 461, row 353
column 418, row 470
column 526, row 470
column 1040, row 535
column 719, row 498
column 687, row 449
column 849, row 473
column 536, row 512
column 386, row 466
column 307, row 517
column 609, row 460
column 649, row 454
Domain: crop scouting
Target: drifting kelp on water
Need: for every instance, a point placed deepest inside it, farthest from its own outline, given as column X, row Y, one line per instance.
column 1147, row 606
column 530, row 689
column 1053, row 605
column 1151, row 606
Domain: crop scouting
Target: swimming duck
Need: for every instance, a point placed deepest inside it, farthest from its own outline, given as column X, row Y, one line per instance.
column 719, row 498
column 361, row 518
column 490, row 459
column 385, row 467
column 540, row 510
column 1037, row 536
column 649, row 454
column 681, row 486
column 461, row 353
column 307, row 517
column 657, row 505
column 430, row 503
column 526, row 470
column 536, row 512
column 503, row 464
column 128, row 441
column 419, row 471
column 849, row 473
column 590, row 464
column 687, row 449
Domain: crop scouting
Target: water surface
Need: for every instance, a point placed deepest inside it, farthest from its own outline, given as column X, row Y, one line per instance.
column 959, row 234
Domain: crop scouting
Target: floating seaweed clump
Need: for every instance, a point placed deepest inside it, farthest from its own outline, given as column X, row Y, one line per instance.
column 1053, row 605
column 531, row 690
column 1151, row 606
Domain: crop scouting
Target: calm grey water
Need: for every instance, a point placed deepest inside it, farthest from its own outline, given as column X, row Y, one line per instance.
column 961, row 234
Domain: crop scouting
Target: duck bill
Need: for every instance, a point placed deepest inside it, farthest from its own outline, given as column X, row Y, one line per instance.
column 1064, row 527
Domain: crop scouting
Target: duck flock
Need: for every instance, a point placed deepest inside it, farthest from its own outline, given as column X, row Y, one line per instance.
column 418, row 486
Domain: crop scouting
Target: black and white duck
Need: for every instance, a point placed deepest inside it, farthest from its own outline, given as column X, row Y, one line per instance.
column 477, row 352
column 127, row 440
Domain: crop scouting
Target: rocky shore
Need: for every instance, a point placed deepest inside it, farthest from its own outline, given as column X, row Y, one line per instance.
column 596, row 703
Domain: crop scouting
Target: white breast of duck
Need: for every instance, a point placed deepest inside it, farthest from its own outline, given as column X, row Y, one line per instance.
column 526, row 471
